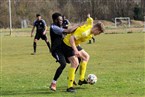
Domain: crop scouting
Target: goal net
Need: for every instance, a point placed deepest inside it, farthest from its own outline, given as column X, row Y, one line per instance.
column 122, row 21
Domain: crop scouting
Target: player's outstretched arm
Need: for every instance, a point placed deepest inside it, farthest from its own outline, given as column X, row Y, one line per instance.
column 32, row 31
column 89, row 20
column 72, row 29
column 88, row 15
column 72, row 42
column 45, row 30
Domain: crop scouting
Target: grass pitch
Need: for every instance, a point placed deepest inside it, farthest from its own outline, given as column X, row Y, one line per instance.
column 118, row 60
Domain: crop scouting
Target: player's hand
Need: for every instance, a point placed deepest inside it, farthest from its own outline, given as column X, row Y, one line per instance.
column 31, row 35
column 44, row 32
column 77, row 54
column 88, row 15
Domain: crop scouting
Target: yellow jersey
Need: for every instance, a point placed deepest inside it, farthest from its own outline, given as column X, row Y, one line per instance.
column 81, row 34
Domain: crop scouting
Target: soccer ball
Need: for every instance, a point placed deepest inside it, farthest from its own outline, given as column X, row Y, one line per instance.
column 92, row 79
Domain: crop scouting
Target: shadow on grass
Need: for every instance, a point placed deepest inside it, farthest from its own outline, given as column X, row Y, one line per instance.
column 63, row 89
column 26, row 92
column 43, row 91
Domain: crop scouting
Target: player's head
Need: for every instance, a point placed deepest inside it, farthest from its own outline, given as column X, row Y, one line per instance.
column 98, row 28
column 63, row 17
column 38, row 16
column 57, row 19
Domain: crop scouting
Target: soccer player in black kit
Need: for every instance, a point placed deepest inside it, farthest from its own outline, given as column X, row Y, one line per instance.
column 41, row 28
column 65, row 23
column 57, row 33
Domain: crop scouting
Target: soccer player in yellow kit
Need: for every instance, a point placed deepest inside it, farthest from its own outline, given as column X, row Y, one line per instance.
column 72, row 49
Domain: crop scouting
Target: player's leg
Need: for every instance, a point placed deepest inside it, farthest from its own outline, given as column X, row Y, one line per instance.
column 69, row 53
column 37, row 37
column 35, row 45
column 61, row 59
column 71, row 75
column 79, row 59
column 67, row 61
column 75, row 83
column 83, row 65
column 90, row 41
column 93, row 39
column 48, row 45
column 44, row 37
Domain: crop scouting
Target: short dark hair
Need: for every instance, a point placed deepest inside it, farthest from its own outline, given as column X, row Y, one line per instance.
column 100, row 26
column 37, row 15
column 55, row 16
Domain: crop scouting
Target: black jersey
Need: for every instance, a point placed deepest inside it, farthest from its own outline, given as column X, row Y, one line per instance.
column 40, row 25
column 56, row 35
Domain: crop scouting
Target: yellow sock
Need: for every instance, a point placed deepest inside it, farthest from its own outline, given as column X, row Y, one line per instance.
column 71, row 76
column 83, row 66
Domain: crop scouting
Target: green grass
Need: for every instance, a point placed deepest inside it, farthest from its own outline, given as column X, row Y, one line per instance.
column 118, row 60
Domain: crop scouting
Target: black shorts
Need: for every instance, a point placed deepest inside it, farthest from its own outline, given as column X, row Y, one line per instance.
column 68, row 51
column 59, row 56
column 40, row 35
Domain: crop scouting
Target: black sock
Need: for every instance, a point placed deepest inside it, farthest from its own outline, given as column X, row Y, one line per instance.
column 34, row 47
column 59, row 70
column 90, row 41
column 93, row 39
column 78, row 65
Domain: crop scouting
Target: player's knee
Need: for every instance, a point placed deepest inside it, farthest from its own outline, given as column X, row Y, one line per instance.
column 87, row 57
column 74, row 61
column 62, row 64
column 75, row 64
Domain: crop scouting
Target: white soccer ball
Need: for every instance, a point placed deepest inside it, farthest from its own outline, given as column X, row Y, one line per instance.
column 92, row 79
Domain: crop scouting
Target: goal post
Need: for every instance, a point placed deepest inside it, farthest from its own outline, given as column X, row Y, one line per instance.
column 122, row 18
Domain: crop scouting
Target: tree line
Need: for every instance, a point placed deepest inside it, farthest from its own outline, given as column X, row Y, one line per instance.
column 74, row 10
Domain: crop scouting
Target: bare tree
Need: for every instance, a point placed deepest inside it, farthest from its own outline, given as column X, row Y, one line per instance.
column 75, row 10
